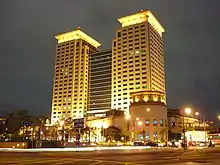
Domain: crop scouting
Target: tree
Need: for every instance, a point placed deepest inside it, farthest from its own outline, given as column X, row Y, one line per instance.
column 163, row 134
column 15, row 120
column 112, row 133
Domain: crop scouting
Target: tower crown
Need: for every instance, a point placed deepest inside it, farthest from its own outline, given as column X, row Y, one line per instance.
column 140, row 17
column 77, row 34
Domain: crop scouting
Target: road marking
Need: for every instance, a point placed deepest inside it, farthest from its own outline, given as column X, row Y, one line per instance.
column 27, row 161
column 67, row 162
column 96, row 162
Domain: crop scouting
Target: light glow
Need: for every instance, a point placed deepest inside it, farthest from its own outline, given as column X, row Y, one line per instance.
column 75, row 35
column 127, row 117
column 143, row 16
column 197, row 113
column 75, row 149
column 188, row 111
column 140, row 123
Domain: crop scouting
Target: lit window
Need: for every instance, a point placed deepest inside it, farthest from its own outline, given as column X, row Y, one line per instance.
column 155, row 122
column 147, row 122
column 161, row 122
column 147, row 135
column 173, row 124
column 154, row 135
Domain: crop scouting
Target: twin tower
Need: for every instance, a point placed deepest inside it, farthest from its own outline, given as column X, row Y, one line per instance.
column 89, row 81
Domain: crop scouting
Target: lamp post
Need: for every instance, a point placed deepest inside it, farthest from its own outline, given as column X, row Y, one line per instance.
column 62, row 126
column 127, row 118
column 140, row 123
column 203, row 123
column 103, row 131
column 186, row 111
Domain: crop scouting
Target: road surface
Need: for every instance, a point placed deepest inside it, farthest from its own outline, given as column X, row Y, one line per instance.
column 116, row 157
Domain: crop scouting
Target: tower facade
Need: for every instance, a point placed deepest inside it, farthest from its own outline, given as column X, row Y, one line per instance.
column 100, row 82
column 138, row 58
column 71, row 76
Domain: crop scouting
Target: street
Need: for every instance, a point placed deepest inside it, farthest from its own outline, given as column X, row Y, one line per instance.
column 115, row 157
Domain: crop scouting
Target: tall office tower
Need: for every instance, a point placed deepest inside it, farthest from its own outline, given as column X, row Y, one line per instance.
column 71, row 77
column 138, row 58
column 100, row 82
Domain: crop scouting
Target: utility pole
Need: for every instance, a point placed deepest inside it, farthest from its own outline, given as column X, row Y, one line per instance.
column 184, row 134
column 204, row 126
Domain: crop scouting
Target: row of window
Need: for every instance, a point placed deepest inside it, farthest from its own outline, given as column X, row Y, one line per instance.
column 79, row 116
column 67, row 112
column 148, row 122
column 147, row 135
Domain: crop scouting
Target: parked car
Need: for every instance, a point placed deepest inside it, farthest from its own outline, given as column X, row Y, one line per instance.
column 151, row 144
column 138, row 143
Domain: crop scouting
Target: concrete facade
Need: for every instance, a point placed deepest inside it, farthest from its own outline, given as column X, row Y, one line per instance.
column 98, row 125
column 148, row 118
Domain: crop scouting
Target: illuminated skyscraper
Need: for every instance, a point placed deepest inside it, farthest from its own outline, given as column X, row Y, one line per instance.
column 138, row 58
column 71, row 77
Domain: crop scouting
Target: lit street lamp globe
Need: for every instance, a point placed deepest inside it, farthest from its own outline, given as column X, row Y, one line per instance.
column 140, row 123
column 188, row 111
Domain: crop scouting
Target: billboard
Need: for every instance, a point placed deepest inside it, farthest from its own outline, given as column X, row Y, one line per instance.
column 79, row 123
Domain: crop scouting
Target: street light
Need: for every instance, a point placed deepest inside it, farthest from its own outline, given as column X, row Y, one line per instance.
column 197, row 113
column 187, row 111
column 127, row 117
column 140, row 123
column 62, row 126
column 203, row 122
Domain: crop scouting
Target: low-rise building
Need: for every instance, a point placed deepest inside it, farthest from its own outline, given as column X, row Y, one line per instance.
column 148, row 116
column 113, row 118
column 178, row 122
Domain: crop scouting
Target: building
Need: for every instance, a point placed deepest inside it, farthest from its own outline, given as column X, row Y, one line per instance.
column 195, row 128
column 138, row 58
column 71, row 76
column 100, row 82
column 175, row 124
column 2, row 125
column 148, row 116
column 113, row 118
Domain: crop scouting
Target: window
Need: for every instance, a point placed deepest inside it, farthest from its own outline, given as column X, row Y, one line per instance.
column 161, row 122
column 155, row 122
column 147, row 122
column 140, row 136
column 155, row 135
column 147, row 135
column 119, row 34
column 173, row 124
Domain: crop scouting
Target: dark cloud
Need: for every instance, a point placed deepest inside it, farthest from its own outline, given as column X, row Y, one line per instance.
column 27, row 46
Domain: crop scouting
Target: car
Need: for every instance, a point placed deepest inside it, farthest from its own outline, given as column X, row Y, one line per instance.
column 151, row 144
column 138, row 143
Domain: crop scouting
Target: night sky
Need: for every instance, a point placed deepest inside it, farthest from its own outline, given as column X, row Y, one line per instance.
column 27, row 47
